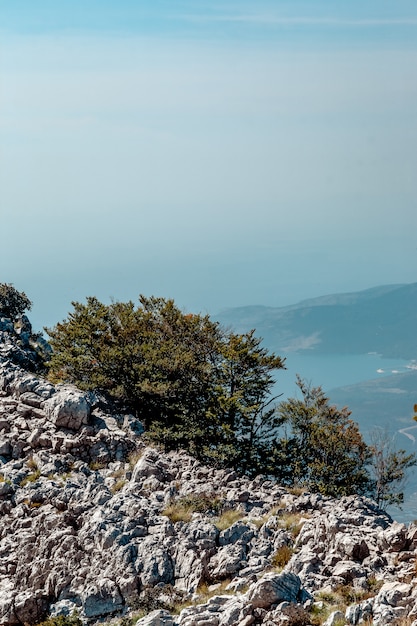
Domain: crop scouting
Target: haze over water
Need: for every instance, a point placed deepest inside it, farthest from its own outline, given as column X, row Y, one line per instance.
column 220, row 153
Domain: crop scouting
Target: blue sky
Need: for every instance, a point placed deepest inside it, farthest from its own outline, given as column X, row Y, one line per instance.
column 220, row 153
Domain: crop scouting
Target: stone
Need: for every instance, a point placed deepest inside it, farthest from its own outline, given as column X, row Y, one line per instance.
column 156, row 618
column 68, row 408
column 273, row 588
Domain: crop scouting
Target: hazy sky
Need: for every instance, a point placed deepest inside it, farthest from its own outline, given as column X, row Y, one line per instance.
column 220, row 153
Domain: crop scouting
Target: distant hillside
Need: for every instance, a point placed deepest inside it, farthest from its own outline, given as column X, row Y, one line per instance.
column 385, row 402
column 382, row 320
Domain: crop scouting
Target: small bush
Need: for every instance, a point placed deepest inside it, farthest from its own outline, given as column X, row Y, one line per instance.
column 154, row 598
column 282, row 556
column 13, row 303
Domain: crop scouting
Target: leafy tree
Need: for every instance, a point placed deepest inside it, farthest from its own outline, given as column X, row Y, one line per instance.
column 191, row 382
column 322, row 448
column 388, row 468
column 243, row 402
column 13, row 303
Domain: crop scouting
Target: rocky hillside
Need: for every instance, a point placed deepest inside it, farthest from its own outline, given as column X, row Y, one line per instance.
column 94, row 520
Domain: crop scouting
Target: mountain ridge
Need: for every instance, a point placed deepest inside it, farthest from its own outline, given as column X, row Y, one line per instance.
column 381, row 319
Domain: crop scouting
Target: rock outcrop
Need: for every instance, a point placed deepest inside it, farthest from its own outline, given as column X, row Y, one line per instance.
column 92, row 519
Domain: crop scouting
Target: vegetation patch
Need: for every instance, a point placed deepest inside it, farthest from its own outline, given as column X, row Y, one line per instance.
column 63, row 620
column 182, row 509
column 133, row 458
column 96, row 465
column 205, row 591
column 228, row 518
column 282, row 556
column 297, row 615
column 118, row 485
column 30, row 478
column 292, row 522
column 152, row 599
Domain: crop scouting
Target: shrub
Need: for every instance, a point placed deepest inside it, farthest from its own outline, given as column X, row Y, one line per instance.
column 282, row 556
column 194, row 384
column 13, row 303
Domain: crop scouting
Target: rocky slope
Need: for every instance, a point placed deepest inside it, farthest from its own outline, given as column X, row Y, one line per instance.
column 92, row 519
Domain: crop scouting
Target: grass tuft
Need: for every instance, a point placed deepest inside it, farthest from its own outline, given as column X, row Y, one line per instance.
column 228, row 518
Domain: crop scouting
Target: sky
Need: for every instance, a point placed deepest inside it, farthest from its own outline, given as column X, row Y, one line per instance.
column 218, row 153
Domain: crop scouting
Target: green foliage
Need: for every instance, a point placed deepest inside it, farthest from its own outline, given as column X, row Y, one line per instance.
column 13, row 303
column 323, row 449
column 388, row 468
column 194, row 385
column 207, row 390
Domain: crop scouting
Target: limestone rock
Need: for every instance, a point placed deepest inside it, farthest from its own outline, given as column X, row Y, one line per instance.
column 85, row 526
column 274, row 588
column 69, row 408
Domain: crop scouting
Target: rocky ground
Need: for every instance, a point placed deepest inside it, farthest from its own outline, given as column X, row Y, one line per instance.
column 93, row 519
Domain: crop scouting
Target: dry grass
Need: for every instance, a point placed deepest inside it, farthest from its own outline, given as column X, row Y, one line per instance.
column 281, row 557
column 96, row 465
column 118, row 485
column 205, row 591
column 31, row 463
column 182, row 509
column 228, row 518
column 133, row 458
column 292, row 522
column 30, row 478
column 297, row 490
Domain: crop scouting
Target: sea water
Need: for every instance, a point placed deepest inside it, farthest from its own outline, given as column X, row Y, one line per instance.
column 333, row 370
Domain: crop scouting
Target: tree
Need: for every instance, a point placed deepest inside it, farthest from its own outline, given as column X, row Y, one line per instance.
column 243, row 403
column 322, row 449
column 193, row 384
column 13, row 303
column 388, row 468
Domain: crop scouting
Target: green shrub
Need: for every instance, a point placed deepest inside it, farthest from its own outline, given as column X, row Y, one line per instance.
column 13, row 303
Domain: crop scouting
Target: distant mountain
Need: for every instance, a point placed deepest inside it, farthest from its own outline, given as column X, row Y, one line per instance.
column 384, row 402
column 382, row 319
